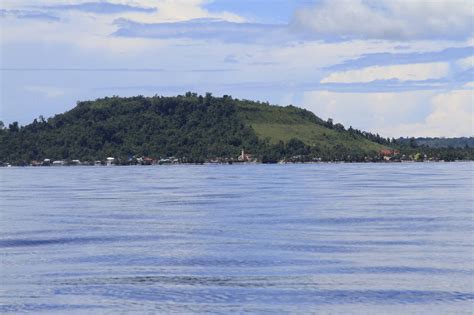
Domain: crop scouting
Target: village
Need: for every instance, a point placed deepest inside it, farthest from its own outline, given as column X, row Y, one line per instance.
column 383, row 156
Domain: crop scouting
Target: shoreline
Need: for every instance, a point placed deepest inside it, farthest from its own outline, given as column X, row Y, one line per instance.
column 233, row 164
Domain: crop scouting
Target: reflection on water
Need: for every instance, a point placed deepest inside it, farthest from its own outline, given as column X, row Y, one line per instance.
column 347, row 238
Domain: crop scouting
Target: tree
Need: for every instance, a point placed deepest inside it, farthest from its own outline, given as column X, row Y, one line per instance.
column 339, row 126
column 14, row 127
column 330, row 123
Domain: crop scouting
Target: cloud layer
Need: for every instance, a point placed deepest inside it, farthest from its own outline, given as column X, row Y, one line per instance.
column 98, row 7
column 382, row 19
column 408, row 72
column 201, row 29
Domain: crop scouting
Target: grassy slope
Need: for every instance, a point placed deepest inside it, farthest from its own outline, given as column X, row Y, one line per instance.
column 283, row 123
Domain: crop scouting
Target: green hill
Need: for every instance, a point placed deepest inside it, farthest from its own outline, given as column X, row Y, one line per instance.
column 275, row 123
column 193, row 128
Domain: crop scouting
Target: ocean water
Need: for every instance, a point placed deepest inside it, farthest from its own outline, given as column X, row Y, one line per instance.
column 276, row 239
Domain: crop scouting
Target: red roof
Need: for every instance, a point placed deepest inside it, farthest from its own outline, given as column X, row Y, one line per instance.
column 386, row 152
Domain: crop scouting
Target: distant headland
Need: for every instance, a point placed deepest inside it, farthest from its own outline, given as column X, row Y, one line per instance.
column 194, row 128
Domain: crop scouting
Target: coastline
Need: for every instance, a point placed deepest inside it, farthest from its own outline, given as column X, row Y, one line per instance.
column 233, row 164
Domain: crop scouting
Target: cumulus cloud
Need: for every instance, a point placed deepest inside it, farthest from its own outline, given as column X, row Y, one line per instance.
column 451, row 116
column 395, row 19
column 407, row 72
column 370, row 111
column 394, row 114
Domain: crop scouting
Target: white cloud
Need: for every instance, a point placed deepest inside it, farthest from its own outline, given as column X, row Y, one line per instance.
column 414, row 113
column 165, row 10
column 203, row 29
column 466, row 63
column 397, row 19
column 451, row 116
column 407, row 72
column 469, row 85
column 48, row 91
column 367, row 111
column 93, row 31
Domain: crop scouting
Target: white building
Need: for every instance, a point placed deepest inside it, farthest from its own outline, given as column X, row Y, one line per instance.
column 110, row 161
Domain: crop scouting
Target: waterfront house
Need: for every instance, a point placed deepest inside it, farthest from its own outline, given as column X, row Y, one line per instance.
column 148, row 160
column 388, row 152
column 110, row 161
column 36, row 163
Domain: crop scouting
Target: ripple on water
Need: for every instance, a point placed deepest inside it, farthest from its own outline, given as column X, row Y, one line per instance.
column 362, row 238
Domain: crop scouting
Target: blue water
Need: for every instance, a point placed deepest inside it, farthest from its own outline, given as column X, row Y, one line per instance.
column 321, row 238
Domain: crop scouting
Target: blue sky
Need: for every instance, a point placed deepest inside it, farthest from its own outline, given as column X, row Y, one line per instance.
column 399, row 68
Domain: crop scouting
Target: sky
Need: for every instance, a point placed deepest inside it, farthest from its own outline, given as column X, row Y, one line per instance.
column 397, row 68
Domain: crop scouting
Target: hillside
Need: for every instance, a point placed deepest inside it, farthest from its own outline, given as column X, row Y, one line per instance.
column 193, row 128
column 276, row 124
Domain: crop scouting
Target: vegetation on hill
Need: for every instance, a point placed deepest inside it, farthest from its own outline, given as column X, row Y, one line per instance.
column 460, row 142
column 192, row 128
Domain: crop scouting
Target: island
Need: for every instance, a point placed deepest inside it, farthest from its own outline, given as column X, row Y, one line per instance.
column 198, row 129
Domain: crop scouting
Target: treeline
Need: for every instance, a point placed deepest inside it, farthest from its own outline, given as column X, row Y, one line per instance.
column 365, row 134
column 459, row 142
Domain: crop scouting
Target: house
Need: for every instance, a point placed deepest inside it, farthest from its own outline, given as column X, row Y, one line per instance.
column 110, row 161
column 147, row 161
column 164, row 161
column 36, row 163
column 388, row 152
column 244, row 157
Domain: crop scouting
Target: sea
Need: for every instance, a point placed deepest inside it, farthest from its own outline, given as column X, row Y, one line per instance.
column 393, row 238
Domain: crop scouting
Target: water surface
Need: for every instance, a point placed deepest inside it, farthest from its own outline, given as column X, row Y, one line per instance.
column 322, row 238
